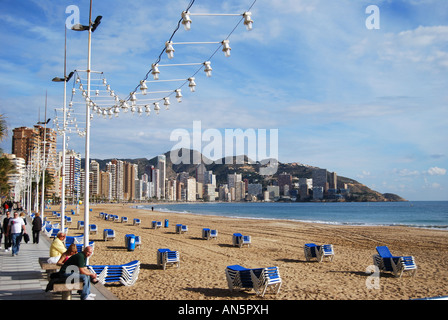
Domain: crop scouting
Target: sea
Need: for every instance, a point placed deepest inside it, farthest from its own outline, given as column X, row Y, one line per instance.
column 419, row 214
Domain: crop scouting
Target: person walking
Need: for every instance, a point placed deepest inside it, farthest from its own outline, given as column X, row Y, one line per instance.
column 15, row 227
column 36, row 227
column 5, row 229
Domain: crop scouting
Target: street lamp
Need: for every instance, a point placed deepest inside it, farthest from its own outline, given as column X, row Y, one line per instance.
column 91, row 28
column 65, row 79
column 44, row 164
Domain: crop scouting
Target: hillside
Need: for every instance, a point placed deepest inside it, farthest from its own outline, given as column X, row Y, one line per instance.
column 250, row 170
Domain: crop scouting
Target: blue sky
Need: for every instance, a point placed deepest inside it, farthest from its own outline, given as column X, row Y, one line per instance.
column 367, row 104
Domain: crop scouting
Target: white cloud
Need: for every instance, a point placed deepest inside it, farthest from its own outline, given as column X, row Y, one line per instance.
column 435, row 171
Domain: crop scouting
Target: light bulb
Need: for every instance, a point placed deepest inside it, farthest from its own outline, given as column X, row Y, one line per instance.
column 133, row 98
column 169, row 49
column 186, row 21
column 156, row 107
column 178, row 95
column 208, row 69
column 155, row 71
column 167, row 103
column 247, row 20
column 192, row 84
column 143, row 87
column 226, row 48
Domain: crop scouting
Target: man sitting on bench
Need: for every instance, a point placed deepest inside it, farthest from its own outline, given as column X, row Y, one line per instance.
column 78, row 263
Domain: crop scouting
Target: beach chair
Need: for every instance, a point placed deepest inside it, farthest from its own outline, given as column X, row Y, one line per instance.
column 156, row 224
column 240, row 240
column 80, row 224
column 68, row 220
column 136, row 221
column 180, row 228
column 48, row 229
column 167, row 257
column 206, row 233
column 126, row 274
column 124, row 219
column 106, row 216
column 102, row 215
column 237, row 278
column 93, row 229
column 54, row 232
column 397, row 265
column 138, row 242
column 259, row 279
column 213, row 234
column 319, row 253
column 269, row 278
column 108, row 234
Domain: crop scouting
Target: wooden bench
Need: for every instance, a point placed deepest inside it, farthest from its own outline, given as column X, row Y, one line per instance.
column 48, row 267
column 67, row 288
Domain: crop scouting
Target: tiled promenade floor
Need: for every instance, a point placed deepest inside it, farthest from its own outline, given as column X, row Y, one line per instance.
column 21, row 277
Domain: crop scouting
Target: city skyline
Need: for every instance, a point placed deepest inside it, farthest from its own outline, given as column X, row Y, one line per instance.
column 366, row 103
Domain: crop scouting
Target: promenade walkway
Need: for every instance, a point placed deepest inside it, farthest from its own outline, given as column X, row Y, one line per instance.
column 21, row 277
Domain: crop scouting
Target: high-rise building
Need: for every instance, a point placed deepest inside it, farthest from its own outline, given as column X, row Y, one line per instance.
column 106, row 185
column 200, row 173
column 28, row 143
column 72, row 174
column 16, row 179
column 233, row 179
column 333, row 180
column 156, row 181
column 161, row 165
column 284, row 183
column 191, row 189
column 119, row 179
column 94, row 187
column 320, row 178
column 129, row 177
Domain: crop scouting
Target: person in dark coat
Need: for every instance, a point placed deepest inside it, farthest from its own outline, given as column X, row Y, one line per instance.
column 36, row 228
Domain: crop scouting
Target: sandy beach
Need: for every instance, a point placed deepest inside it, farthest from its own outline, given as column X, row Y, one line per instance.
column 274, row 243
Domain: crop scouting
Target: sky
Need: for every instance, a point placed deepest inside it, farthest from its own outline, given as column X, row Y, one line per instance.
column 359, row 91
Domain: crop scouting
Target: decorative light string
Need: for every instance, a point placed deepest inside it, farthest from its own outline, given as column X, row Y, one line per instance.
column 105, row 101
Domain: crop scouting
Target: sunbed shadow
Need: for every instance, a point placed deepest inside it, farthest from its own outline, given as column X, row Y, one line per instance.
column 148, row 266
column 218, row 292
column 226, row 245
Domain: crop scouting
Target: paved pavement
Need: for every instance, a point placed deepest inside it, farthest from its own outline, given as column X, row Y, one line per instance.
column 21, row 277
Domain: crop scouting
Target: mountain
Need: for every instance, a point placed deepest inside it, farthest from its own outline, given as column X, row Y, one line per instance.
column 249, row 169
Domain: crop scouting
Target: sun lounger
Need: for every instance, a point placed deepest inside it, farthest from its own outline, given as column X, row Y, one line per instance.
column 156, row 224
column 240, row 240
column 138, row 241
column 318, row 252
column 213, row 234
column 397, row 265
column 93, row 229
column 167, row 257
column 126, row 274
column 180, row 228
column 108, row 234
column 259, row 279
